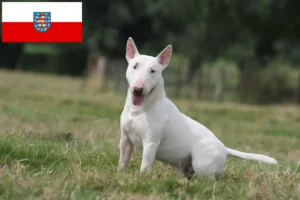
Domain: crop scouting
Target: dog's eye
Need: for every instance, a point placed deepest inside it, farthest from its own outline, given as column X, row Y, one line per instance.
column 152, row 71
column 135, row 66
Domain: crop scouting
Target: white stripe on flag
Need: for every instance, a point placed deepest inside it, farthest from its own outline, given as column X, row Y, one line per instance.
column 60, row 11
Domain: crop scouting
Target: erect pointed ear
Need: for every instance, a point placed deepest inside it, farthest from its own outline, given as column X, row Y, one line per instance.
column 165, row 56
column 131, row 50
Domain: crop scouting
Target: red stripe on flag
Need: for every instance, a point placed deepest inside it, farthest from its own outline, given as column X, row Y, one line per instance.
column 25, row 32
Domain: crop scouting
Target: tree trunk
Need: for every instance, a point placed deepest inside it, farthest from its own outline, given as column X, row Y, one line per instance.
column 178, row 80
column 219, row 90
column 298, row 91
column 194, row 65
column 199, row 82
column 10, row 54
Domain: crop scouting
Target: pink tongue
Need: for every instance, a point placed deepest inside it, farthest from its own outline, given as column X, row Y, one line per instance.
column 137, row 100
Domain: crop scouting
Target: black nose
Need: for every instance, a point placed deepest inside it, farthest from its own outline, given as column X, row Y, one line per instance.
column 138, row 91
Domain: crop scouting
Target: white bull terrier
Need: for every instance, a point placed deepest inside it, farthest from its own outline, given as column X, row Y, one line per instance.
column 153, row 124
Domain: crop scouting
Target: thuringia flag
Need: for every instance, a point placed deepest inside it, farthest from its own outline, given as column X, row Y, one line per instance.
column 41, row 22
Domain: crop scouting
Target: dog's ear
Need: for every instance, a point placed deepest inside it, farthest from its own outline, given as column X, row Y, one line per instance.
column 165, row 56
column 131, row 50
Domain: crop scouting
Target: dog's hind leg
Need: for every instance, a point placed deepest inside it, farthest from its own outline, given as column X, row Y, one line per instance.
column 208, row 160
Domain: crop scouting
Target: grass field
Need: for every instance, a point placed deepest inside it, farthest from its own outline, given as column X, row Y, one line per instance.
column 59, row 141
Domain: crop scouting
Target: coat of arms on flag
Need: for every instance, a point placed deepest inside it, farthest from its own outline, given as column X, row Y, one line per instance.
column 41, row 21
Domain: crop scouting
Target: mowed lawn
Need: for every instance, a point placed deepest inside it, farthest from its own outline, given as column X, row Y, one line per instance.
column 60, row 141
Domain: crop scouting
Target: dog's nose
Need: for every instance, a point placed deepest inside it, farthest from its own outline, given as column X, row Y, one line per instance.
column 138, row 91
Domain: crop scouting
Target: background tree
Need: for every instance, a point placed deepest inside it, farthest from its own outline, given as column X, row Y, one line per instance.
column 203, row 31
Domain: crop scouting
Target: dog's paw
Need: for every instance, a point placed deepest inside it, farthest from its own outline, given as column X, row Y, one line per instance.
column 120, row 169
column 145, row 170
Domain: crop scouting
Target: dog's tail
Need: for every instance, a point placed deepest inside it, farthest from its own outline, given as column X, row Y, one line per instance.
column 251, row 156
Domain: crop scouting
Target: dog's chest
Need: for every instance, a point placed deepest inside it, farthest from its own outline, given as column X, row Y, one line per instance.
column 135, row 127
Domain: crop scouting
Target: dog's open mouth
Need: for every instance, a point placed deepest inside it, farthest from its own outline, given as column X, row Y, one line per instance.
column 137, row 100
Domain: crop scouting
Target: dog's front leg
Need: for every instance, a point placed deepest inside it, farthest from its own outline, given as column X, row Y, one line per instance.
column 149, row 152
column 126, row 148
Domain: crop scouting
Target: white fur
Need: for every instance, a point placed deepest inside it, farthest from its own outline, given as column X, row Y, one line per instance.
column 161, row 131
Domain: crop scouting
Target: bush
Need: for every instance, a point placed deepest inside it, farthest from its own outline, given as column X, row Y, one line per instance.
column 265, row 86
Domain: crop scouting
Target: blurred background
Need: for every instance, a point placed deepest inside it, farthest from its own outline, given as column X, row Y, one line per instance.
column 224, row 50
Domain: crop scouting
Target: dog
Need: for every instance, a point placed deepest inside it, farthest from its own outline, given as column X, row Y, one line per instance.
column 153, row 124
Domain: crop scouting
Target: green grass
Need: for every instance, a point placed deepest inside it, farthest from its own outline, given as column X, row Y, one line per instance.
column 60, row 141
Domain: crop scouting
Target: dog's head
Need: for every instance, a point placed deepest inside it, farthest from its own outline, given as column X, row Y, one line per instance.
column 144, row 73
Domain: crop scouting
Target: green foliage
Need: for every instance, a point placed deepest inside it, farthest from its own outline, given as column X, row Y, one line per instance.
column 275, row 89
column 198, row 28
column 267, row 86
column 201, row 31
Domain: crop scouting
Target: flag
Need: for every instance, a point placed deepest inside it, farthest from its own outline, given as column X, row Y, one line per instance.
column 41, row 22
